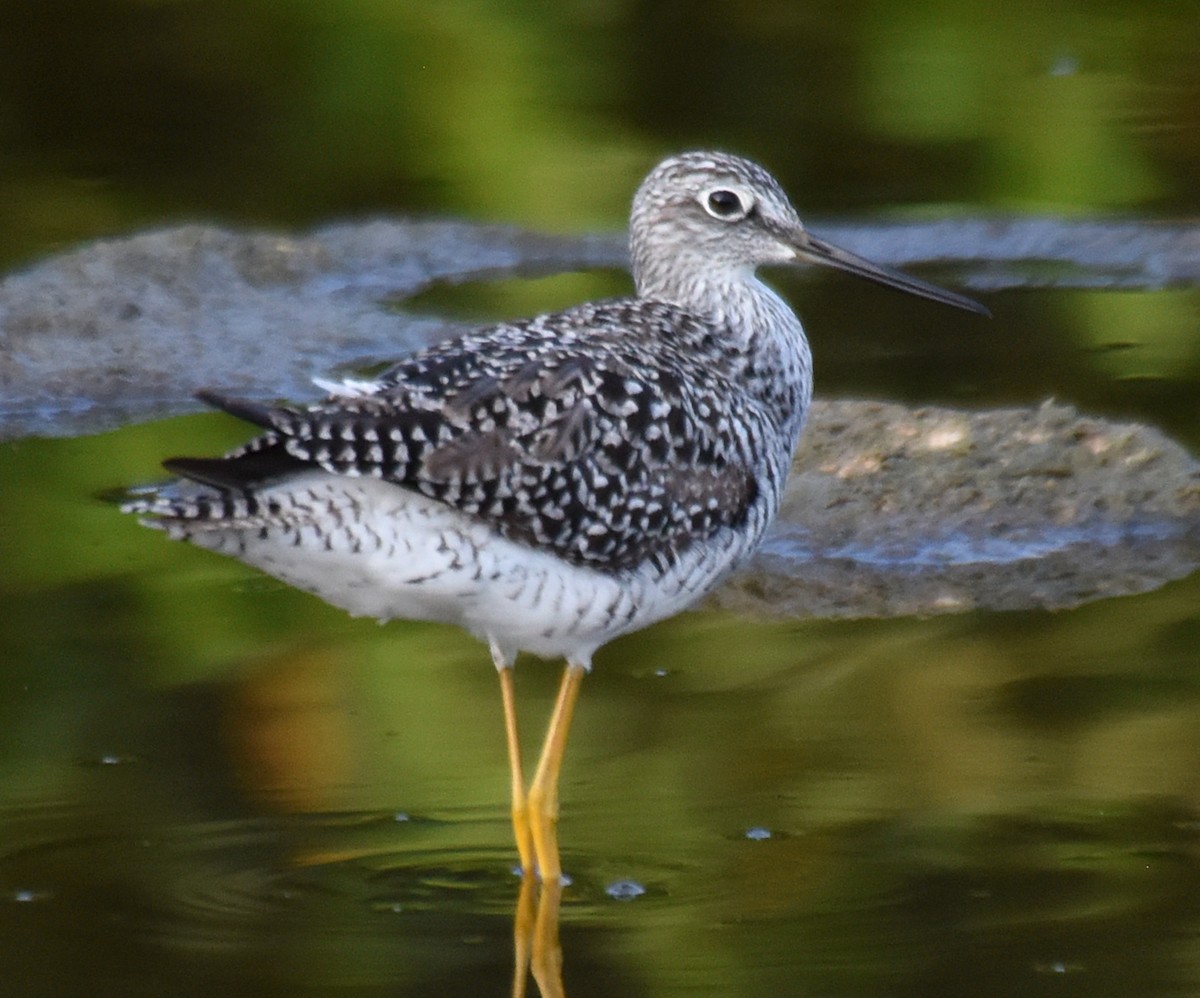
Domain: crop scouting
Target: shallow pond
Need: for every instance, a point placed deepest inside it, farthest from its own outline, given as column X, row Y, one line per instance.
column 210, row 782
column 213, row 781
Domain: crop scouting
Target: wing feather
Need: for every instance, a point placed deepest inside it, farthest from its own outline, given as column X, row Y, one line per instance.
column 600, row 445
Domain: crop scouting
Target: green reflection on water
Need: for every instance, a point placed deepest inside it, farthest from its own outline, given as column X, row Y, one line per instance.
column 548, row 115
column 197, row 761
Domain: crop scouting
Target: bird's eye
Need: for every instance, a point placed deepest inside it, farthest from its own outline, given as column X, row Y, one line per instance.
column 725, row 204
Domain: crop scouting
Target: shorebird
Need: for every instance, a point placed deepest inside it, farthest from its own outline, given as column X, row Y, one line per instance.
column 552, row 483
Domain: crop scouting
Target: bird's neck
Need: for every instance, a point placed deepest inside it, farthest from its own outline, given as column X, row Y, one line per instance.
column 761, row 343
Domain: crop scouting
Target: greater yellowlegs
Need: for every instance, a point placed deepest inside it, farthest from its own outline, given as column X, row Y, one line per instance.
column 552, row 483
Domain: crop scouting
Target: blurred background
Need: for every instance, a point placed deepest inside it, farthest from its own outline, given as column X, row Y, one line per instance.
column 210, row 781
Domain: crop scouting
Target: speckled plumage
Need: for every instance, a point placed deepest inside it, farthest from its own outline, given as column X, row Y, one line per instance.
column 550, row 483
column 606, row 434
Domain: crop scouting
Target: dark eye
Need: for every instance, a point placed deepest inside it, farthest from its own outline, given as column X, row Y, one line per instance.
column 725, row 204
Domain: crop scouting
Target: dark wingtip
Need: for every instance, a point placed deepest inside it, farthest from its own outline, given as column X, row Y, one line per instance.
column 251, row 412
column 246, row 471
column 213, row 471
column 191, row 467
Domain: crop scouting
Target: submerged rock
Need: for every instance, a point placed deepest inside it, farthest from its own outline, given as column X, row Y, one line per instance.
column 893, row 511
column 126, row 329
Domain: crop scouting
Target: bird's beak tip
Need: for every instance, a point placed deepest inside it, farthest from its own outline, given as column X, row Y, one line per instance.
column 808, row 249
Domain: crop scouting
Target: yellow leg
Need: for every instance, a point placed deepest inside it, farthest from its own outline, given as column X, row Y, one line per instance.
column 546, row 959
column 523, row 941
column 520, row 803
column 542, row 802
column 536, row 948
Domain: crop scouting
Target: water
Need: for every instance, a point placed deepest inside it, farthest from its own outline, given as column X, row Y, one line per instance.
column 204, row 770
column 211, row 783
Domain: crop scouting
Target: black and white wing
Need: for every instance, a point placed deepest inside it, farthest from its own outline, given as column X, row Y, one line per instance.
column 598, row 434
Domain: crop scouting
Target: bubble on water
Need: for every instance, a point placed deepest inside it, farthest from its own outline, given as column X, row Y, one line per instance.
column 1064, row 65
column 624, row 890
column 109, row 759
column 1057, row 967
column 758, row 833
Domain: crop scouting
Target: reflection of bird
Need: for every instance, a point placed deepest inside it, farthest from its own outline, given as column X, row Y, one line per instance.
column 552, row 483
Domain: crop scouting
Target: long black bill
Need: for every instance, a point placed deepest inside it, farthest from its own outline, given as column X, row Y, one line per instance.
column 813, row 250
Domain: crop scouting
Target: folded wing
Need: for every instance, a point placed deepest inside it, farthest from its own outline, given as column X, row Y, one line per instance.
column 594, row 445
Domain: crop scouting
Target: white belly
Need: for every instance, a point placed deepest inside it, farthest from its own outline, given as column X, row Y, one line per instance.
column 378, row 550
